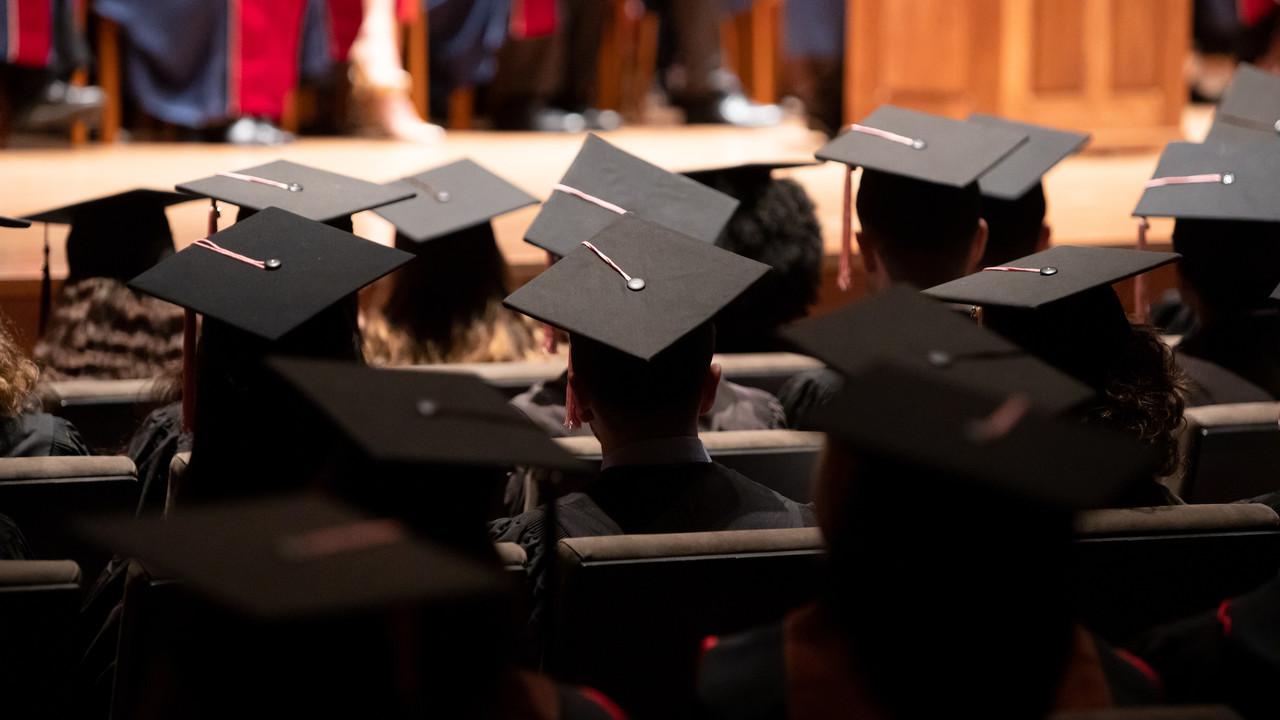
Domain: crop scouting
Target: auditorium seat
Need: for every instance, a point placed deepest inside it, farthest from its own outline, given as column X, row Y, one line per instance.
column 43, row 495
column 106, row 412
column 783, row 460
column 1233, row 452
column 1142, row 567
column 39, row 600
column 1190, row 712
column 632, row 610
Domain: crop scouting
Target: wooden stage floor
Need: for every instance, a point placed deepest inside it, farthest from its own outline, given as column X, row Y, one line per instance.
column 1090, row 195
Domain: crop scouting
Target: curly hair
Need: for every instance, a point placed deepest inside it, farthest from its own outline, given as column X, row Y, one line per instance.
column 101, row 329
column 18, row 375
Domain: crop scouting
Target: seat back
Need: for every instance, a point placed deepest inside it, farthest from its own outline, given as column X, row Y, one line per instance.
column 1143, row 567
column 1233, row 452
column 106, row 412
column 632, row 610
column 1190, row 712
column 782, row 460
column 42, row 494
column 39, row 600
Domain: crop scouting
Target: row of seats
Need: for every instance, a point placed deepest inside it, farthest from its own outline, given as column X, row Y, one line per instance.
column 1139, row 568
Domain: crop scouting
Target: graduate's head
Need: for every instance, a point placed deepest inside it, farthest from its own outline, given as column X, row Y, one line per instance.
column 776, row 225
column 1227, row 266
column 918, row 232
column 625, row 397
column 1015, row 228
column 18, row 374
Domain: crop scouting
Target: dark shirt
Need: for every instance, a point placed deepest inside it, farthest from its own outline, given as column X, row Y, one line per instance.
column 39, row 435
column 807, row 391
column 737, row 407
column 152, row 448
column 1210, row 384
column 1247, row 345
column 13, row 546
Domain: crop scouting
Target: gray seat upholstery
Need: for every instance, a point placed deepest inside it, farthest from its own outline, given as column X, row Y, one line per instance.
column 632, row 611
column 782, row 460
column 106, row 412
column 39, row 601
column 1232, row 452
column 1204, row 712
column 43, row 494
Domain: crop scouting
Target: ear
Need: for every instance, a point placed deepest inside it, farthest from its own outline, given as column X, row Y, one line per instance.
column 710, row 383
column 977, row 248
column 867, row 251
column 1046, row 235
column 586, row 413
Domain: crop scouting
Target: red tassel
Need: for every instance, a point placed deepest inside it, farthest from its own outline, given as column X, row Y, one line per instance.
column 844, row 280
column 189, row 342
column 572, row 421
column 1140, row 282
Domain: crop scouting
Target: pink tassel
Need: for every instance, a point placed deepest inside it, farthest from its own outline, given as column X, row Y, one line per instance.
column 1140, row 282
column 844, row 279
column 572, row 421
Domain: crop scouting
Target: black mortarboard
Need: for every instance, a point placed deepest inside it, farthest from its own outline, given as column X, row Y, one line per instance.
column 1214, row 182
column 295, row 557
column 625, row 181
column 1252, row 103
column 450, row 198
column 1021, row 170
column 1052, row 275
column 314, row 194
column 116, row 236
column 986, row 439
column 9, row 222
column 683, row 284
column 922, row 146
column 901, row 326
column 418, row 417
column 305, row 267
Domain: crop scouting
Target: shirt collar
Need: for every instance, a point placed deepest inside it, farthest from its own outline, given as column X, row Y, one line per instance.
column 658, row 451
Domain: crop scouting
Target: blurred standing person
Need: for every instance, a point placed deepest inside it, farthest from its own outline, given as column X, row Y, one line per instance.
column 379, row 83
column 41, row 44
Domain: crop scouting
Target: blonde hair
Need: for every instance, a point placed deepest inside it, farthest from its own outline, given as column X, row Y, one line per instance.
column 18, row 375
column 496, row 335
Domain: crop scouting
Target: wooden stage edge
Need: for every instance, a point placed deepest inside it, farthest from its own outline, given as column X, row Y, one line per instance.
column 1090, row 195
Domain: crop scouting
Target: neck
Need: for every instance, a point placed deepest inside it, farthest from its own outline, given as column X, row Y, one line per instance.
column 613, row 436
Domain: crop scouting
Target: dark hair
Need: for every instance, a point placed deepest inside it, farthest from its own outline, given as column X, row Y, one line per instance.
column 1141, row 390
column 253, row 436
column 100, row 329
column 926, row 229
column 446, row 306
column 1231, row 264
column 775, row 224
column 667, row 386
column 1013, row 226
column 999, row 635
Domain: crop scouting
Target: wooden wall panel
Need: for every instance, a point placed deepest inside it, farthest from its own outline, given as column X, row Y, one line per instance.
column 1057, row 46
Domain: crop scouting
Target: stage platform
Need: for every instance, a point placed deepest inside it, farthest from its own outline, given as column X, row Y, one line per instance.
column 1090, row 195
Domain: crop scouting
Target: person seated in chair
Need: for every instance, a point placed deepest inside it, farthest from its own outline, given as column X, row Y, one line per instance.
column 24, row 431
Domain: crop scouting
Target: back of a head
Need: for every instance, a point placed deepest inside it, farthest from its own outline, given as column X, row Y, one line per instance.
column 1232, row 265
column 775, row 224
column 118, row 241
column 1013, row 226
column 924, row 231
column 978, row 587
column 632, row 390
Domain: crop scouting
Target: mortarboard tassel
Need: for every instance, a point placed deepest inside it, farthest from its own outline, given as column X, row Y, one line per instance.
column 1140, row 282
column 844, row 279
column 46, row 286
column 189, row 343
column 572, row 421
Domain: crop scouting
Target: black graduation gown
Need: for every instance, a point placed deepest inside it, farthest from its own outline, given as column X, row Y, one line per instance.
column 1229, row 656
column 737, row 407
column 1247, row 345
column 152, row 448
column 39, row 435
column 1211, row 384
column 13, row 546
column 806, row 391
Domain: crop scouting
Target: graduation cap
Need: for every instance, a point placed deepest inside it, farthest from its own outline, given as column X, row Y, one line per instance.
column 916, row 145
column 637, row 287
column 451, row 198
column 1249, row 110
column 8, row 222
column 270, row 273
column 993, row 441
column 1214, row 182
column 419, row 417
column 604, row 182
column 295, row 557
column 734, row 175
column 310, row 192
column 113, row 236
column 1053, row 275
column 901, row 326
column 1021, row 170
